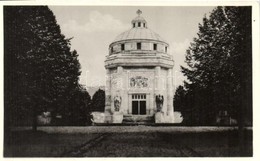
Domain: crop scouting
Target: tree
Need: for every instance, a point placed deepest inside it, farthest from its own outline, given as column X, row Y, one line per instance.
column 219, row 65
column 98, row 101
column 181, row 103
column 179, row 98
column 78, row 108
column 40, row 71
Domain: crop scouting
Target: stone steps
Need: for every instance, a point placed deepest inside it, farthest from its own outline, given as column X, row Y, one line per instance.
column 138, row 119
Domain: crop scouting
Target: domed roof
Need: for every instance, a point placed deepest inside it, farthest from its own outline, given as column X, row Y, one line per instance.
column 139, row 31
column 140, row 34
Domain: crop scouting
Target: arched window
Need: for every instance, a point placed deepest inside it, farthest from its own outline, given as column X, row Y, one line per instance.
column 166, row 49
column 122, row 47
column 139, row 24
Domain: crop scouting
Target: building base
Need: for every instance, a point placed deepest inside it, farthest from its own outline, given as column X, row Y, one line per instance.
column 119, row 118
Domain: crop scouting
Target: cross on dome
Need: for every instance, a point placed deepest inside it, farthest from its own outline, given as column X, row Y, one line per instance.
column 139, row 12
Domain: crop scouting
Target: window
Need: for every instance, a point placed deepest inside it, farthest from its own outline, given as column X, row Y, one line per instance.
column 112, row 50
column 133, row 24
column 139, row 24
column 122, row 47
column 144, row 24
column 154, row 46
column 138, row 46
column 166, row 49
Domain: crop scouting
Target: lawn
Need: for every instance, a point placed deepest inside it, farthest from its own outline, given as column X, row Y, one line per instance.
column 127, row 141
column 42, row 144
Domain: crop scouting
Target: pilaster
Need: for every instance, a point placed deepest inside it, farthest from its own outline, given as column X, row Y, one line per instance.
column 170, row 92
column 108, row 92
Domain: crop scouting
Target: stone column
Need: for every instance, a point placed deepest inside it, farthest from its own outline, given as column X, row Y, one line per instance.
column 152, row 104
column 120, row 88
column 157, row 85
column 170, row 92
column 119, row 69
column 108, row 92
column 129, row 110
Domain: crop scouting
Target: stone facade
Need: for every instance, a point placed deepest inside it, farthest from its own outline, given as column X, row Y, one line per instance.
column 139, row 68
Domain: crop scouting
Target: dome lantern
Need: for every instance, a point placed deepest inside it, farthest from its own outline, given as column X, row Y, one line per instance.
column 139, row 21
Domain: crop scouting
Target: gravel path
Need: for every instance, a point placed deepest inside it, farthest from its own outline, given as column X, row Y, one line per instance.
column 82, row 149
column 123, row 129
column 137, row 145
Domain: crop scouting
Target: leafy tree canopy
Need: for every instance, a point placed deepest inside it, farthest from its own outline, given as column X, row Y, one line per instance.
column 220, row 64
column 98, row 101
column 41, row 71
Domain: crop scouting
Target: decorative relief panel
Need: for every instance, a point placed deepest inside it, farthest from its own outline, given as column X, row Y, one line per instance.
column 116, row 81
column 138, row 82
column 140, row 79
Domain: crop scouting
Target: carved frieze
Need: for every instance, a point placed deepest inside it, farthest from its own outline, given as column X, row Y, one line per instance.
column 138, row 82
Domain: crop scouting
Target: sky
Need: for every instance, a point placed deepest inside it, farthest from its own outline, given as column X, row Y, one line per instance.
column 93, row 28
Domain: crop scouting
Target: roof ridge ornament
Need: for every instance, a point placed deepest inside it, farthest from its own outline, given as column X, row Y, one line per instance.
column 139, row 12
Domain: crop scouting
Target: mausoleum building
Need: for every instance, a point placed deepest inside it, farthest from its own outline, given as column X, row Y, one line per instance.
column 139, row 82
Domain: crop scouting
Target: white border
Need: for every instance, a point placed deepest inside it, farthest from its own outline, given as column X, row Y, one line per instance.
column 256, row 58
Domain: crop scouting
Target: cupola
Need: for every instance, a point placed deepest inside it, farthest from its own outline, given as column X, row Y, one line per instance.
column 139, row 21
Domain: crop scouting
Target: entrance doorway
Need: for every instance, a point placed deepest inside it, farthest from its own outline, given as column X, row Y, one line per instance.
column 139, row 104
